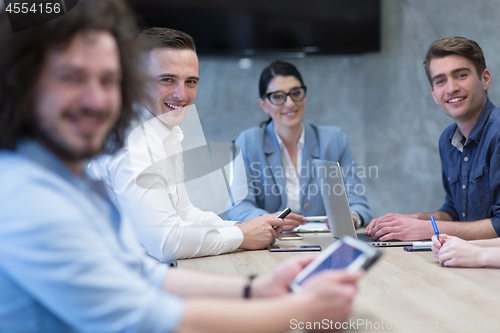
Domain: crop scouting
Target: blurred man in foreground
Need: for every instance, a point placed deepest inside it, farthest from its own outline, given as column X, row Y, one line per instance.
column 68, row 261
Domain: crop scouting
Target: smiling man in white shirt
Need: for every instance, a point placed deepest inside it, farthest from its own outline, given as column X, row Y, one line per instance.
column 146, row 176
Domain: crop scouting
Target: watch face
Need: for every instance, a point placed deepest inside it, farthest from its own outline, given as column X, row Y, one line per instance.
column 356, row 219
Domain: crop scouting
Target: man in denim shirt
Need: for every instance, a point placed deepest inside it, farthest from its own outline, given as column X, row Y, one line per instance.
column 469, row 149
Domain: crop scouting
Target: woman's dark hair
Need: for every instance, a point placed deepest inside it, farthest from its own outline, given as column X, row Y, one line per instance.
column 276, row 68
column 23, row 54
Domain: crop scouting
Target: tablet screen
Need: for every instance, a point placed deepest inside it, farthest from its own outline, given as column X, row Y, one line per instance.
column 342, row 257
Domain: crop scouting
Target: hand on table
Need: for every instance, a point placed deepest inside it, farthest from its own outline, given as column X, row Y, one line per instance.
column 400, row 227
column 260, row 232
column 277, row 283
column 456, row 252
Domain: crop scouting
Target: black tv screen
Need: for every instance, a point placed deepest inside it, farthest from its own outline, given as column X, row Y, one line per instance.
column 264, row 27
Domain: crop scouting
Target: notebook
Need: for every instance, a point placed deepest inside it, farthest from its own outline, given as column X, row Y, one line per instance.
column 337, row 205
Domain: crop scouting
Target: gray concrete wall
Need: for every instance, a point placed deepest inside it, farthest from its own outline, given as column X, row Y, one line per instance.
column 382, row 100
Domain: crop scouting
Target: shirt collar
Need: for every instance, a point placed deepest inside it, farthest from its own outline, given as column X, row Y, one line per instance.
column 300, row 144
column 163, row 132
column 42, row 156
column 477, row 131
column 456, row 137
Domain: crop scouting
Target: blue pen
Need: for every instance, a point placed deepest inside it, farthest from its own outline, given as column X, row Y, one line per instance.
column 435, row 227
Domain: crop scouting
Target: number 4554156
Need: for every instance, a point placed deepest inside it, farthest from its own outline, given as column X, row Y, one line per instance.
column 25, row 7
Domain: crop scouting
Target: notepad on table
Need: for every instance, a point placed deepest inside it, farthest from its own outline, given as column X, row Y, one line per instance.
column 312, row 227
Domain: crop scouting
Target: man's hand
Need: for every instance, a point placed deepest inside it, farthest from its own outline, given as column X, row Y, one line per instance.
column 456, row 252
column 277, row 283
column 420, row 216
column 329, row 295
column 400, row 227
column 260, row 232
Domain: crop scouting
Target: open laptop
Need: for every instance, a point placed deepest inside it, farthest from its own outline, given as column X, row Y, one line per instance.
column 337, row 206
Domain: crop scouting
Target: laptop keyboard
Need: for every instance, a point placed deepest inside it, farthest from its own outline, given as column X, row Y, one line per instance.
column 363, row 237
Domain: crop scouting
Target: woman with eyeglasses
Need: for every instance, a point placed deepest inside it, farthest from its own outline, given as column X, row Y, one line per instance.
column 278, row 156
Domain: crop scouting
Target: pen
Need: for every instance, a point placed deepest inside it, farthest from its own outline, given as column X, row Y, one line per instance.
column 316, row 218
column 283, row 214
column 435, row 227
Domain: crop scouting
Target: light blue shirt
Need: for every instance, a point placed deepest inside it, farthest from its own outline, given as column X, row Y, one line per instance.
column 265, row 178
column 68, row 263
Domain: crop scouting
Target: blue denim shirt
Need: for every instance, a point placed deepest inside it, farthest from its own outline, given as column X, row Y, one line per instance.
column 471, row 178
column 68, row 262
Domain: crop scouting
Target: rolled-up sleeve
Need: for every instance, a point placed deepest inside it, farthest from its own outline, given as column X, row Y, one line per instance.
column 448, row 206
column 494, row 180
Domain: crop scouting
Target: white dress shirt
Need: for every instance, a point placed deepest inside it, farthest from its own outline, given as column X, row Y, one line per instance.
column 292, row 187
column 146, row 180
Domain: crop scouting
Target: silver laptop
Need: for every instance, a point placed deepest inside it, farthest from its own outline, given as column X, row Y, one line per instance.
column 337, row 206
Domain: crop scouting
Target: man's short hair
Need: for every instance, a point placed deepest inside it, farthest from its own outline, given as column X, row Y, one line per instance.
column 23, row 54
column 455, row 45
column 164, row 37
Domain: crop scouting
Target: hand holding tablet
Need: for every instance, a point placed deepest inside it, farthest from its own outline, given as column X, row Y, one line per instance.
column 346, row 253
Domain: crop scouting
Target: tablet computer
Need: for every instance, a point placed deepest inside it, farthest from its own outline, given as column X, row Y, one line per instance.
column 346, row 253
column 300, row 248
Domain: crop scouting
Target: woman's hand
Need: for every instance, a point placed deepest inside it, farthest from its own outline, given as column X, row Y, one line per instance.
column 456, row 252
column 292, row 221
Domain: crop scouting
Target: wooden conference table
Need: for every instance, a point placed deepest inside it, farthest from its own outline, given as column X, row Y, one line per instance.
column 403, row 292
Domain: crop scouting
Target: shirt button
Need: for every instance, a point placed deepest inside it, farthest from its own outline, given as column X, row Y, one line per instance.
column 449, row 179
column 306, row 206
column 463, row 214
column 463, row 186
column 466, row 158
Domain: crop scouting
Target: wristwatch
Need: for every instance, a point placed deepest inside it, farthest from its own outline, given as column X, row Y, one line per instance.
column 358, row 220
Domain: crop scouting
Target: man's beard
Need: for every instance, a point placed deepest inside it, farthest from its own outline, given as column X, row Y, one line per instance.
column 58, row 146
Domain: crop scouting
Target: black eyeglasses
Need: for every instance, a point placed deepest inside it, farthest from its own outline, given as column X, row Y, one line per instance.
column 279, row 97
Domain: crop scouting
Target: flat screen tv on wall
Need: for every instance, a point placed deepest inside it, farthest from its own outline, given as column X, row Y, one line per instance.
column 266, row 27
